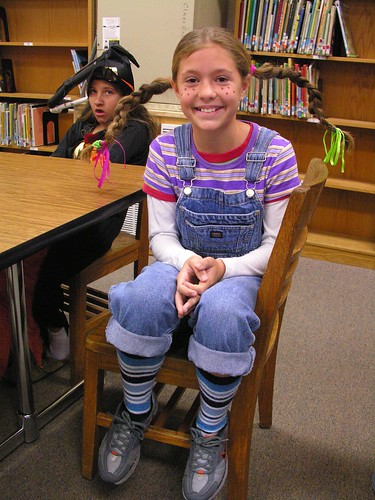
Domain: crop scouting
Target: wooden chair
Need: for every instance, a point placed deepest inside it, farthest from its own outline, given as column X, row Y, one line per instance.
column 178, row 371
column 85, row 304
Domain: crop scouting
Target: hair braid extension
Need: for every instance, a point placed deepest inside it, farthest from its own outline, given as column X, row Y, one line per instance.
column 132, row 107
column 315, row 108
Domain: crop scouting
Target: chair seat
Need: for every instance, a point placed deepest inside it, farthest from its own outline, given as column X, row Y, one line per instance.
column 124, row 251
column 176, row 369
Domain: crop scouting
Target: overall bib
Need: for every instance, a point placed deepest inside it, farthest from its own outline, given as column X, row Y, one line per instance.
column 211, row 223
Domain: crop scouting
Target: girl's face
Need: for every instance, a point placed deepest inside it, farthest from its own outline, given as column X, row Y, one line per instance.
column 103, row 99
column 209, row 87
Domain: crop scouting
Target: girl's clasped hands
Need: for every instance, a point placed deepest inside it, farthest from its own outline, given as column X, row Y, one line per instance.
column 196, row 276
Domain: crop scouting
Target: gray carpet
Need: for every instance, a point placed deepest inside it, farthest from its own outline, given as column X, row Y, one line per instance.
column 321, row 445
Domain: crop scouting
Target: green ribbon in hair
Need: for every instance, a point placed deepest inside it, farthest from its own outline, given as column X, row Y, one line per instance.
column 337, row 148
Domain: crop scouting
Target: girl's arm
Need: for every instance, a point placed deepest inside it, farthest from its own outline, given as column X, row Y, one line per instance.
column 163, row 234
column 166, row 247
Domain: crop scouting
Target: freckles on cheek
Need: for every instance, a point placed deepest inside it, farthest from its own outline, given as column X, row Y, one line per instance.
column 185, row 92
column 228, row 90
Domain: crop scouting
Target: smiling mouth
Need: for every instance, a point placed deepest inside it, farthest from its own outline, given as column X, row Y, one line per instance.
column 208, row 110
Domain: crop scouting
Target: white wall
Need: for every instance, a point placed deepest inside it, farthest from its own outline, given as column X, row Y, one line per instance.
column 151, row 29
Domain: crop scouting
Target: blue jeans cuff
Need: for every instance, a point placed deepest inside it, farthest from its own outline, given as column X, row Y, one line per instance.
column 131, row 343
column 232, row 364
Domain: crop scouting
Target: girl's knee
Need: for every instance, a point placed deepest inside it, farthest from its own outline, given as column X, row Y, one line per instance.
column 151, row 293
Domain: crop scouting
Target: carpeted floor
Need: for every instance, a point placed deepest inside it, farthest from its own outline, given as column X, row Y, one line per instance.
column 321, row 445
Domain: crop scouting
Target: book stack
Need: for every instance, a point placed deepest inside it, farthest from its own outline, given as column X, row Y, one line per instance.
column 294, row 26
column 280, row 97
column 27, row 125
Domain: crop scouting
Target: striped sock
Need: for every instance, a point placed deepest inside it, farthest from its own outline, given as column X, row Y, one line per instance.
column 216, row 396
column 138, row 375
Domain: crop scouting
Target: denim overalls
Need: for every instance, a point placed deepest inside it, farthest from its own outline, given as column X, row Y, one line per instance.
column 211, row 223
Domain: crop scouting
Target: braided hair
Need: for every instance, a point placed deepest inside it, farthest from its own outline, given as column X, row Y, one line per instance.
column 132, row 106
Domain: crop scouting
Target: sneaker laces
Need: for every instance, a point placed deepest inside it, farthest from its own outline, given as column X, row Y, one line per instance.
column 205, row 451
column 123, row 430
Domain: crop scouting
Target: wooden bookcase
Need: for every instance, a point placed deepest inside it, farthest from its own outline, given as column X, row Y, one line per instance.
column 41, row 33
column 343, row 227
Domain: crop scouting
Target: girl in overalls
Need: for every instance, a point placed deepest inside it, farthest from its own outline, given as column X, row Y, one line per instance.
column 217, row 192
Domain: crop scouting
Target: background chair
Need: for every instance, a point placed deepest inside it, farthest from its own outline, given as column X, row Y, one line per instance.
column 84, row 304
column 179, row 372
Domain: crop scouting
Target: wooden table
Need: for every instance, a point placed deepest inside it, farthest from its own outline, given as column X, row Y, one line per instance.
column 42, row 200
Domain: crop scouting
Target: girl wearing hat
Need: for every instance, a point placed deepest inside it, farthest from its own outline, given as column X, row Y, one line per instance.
column 108, row 83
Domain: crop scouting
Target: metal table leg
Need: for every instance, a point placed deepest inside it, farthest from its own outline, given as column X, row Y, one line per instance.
column 21, row 353
column 30, row 421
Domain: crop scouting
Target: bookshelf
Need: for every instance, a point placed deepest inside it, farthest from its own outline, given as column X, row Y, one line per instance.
column 343, row 227
column 41, row 35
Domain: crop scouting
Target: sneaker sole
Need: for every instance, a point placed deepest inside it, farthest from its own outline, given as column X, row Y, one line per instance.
column 219, row 488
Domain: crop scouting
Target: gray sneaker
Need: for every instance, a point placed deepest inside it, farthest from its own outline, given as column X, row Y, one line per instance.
column 120, row 449
column 207, row 466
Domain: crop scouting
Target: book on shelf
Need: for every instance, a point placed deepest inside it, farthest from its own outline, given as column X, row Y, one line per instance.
column 296, row 26
column 4, row 31
column 342, row 14
column 79, row 60
column 7, row 83
column 255, row 44
column 240, row 32
column 37, row 129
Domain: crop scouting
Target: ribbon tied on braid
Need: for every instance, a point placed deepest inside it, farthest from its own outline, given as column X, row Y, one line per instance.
column 337, row 147
column 100, row 156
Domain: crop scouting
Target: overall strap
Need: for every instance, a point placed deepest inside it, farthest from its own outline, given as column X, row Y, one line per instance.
column 257, row 156
column 185, row 161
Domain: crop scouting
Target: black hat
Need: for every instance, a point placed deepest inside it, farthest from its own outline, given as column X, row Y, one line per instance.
column 114, row 63
column 114, row 66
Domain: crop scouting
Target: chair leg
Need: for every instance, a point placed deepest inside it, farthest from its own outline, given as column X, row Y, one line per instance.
column 142, row 235
column 240, row 434
column 92, row 399
column 77, row 323
column 265, row 396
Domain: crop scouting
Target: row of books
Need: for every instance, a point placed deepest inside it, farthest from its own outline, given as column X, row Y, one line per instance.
column 27, row 125
column 281, row 97
column 294, row 26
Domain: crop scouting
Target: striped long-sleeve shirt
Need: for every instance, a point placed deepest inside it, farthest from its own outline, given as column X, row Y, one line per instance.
column 279, row 176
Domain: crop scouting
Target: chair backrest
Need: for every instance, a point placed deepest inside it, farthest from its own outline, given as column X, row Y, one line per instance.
column 290, row 241
column 270, row 305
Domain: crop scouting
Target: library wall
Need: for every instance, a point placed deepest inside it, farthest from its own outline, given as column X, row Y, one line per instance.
column 343, row 228
column 146, row 30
